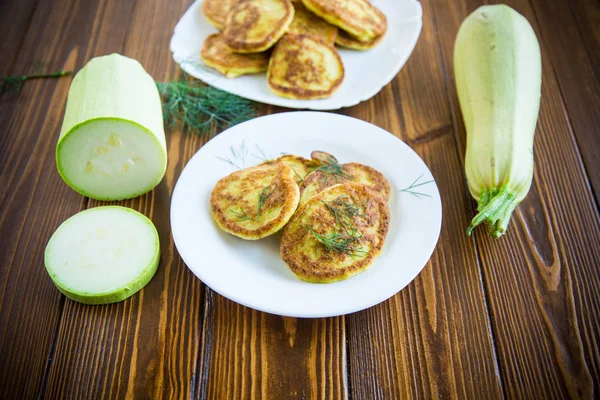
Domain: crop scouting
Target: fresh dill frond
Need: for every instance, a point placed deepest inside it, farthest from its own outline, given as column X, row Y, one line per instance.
column 335, row 170
column 262, row 155
column 238, row 156
column 16, row 82
column 263, row 196
column 241, row 215
column 341, row 243
column 202, row 109
column 300, row 178
column 343, row 211
column 416, row 184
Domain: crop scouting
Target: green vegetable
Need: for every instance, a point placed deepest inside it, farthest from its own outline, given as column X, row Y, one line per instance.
column 103, row 255
column 498, row 71
column 112, row 142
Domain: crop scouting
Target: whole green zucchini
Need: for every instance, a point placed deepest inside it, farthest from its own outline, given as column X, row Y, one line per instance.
column 498, row 72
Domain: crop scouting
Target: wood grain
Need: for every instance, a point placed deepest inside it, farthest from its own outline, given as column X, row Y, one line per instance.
column 577, row 69
column 15, row 18
column 37, row 202
column 543, row 301
column 146, row 346
column 432, row 340
column 515, row 317
column 259, row 355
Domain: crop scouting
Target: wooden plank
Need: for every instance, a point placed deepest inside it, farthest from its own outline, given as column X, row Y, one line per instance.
column 258, row 355
column 432, row 340
column 541, row 277
column 15, row 17
column 146, row 346
column 36, row 200
column 574, row 68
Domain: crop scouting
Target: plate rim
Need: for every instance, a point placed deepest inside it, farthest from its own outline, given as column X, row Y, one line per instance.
column 312, row 105
column 309, row 313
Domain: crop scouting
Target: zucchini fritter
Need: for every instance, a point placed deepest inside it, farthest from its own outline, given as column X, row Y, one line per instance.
column 308, row 23
column 344, row 39
column 216, row 54
column 304, row 67
column 254, row 26
column 336, row 234
column 255, row 202
column 360, row 18
column 328, row 175
column 216, row 11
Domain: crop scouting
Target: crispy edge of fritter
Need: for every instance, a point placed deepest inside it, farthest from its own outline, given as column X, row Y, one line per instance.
column 347, row 41
column 313, row 272
column 327, row 11
column 231, row 71
column 323, row 180
column 298, row 93
column 208, row 14
column 242, row 46
column 292, row 197
column 328, row 32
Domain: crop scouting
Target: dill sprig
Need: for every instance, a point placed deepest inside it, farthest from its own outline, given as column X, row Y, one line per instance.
column 416, row 184
column 263, row 196
column 343, row 211
column 335, row 170
column 241, row 215
column 262, row 155
column 338, row 242
column 346, row 238
column 238, row 156
column 202, row 109
column 16, row 82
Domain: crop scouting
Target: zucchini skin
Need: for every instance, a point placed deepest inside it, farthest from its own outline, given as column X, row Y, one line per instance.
column 498, row 73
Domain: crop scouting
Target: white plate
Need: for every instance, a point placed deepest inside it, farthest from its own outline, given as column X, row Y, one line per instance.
column 366, row 72
column 252, row 273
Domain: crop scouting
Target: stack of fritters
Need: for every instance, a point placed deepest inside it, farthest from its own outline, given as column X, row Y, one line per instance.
column 292, row 40
column 334, row 217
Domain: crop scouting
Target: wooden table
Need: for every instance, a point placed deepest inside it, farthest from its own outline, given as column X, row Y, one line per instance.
column 516, row 317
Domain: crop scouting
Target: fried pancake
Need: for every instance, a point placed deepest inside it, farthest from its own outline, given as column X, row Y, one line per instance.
column 216, row 11
column 253, row 26
column 256, row 202
column 307, row 23
column 304, row 67
column 360, row 18
column 300, row 165
column 336, row 234
column 344, row 39
column 328, row 175
column 216, row 54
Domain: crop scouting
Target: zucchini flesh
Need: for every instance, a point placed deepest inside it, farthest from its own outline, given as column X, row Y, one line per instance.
column 498, row 72
column 103, row 255
column 112, row 142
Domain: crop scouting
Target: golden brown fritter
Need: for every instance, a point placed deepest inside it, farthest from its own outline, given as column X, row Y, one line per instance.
column 360, row 18
column 308, row 23
column 304, row 67
column 254, row 26
column 216, row 54
column 328, row 175
column 344, row 39
column 255, row 202
column 300, row 165
column 336, row 234
column 216, row 11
